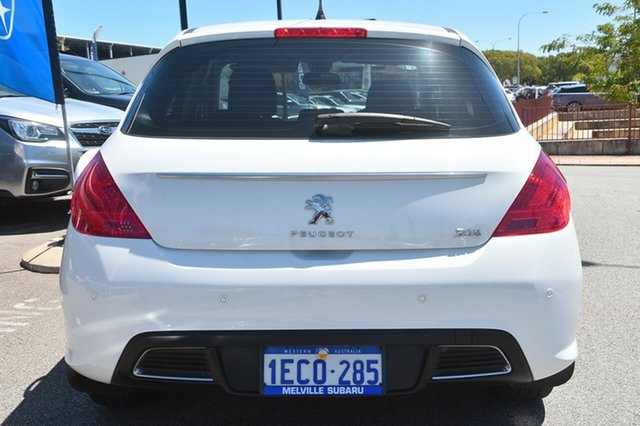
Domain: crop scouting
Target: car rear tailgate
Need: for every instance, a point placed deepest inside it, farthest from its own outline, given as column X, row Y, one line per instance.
column 369, row 195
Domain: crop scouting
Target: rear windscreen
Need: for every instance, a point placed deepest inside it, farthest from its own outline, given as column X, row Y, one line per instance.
column 268, row 88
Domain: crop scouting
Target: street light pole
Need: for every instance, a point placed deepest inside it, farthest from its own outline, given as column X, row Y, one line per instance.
column 481, row 41
column 184, row 23
column 493, row 45
column 518, row 54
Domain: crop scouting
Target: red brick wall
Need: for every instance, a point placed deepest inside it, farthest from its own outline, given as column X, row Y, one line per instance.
column 532, row 110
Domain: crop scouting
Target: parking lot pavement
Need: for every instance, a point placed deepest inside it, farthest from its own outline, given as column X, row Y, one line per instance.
column 51, row 401
column 25, row 225
column 28, row 217
column 603, row 391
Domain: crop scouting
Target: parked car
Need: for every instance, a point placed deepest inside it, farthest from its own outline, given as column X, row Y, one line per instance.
column 510, row 95
column 552, row 86
column 529, row 92
column 33, row 153
column 295, row 104
column 425, row 239
column 94, row 82
column 351, row 96
column 329, row 101
column 575, row 98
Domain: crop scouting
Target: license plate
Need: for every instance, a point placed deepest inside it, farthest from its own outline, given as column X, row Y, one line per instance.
column 323, row 370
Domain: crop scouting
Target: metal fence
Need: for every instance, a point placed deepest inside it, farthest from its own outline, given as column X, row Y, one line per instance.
column 532, row 110
column 603, row 122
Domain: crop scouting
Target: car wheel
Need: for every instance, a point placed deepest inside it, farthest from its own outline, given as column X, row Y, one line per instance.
column 574, row 107
column 132, row 399
column 526, row 392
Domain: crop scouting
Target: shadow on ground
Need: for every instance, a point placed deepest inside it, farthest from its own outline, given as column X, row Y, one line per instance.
column 51, row 401
column 588, row 264
column 18, row 217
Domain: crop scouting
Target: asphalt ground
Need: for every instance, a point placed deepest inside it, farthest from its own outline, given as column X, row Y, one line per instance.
column 605, row 389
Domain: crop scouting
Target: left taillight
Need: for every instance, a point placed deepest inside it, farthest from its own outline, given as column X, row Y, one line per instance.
column 98, row 207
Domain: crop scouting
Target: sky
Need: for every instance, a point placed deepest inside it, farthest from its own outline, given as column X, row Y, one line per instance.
column 488, row 22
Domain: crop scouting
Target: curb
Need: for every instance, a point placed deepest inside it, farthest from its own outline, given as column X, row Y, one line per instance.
column 45, row 258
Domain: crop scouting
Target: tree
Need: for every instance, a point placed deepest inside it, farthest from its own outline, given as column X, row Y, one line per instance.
column 504, row 63
column 609, row 56
column 562, row 67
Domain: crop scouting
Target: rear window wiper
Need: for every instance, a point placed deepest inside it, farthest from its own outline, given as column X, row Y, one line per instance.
column 375, row 122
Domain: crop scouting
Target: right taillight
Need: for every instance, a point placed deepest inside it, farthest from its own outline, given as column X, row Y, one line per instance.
column 543, row 204
column 99, row 208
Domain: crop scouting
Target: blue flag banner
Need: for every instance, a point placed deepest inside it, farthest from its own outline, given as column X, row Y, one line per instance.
column 29, row 60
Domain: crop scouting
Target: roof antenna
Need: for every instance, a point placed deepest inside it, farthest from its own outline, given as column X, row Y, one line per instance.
column 279, row 7
column 320, row 14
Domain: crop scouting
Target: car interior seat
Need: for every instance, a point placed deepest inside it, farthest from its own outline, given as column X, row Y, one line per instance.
column 392, row 96
column 252, row 93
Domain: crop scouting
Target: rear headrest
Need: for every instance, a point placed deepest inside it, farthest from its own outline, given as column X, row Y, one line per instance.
column 392, row 96
column 252, row 91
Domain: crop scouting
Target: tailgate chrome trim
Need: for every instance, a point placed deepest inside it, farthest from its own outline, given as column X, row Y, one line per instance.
column 324, row 176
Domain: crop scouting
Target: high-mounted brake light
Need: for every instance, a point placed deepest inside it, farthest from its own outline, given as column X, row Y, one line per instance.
column 543, row 205
column 99, row 208
column 320, row 32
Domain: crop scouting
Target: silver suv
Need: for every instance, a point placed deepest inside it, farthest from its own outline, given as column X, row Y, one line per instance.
column 33, row 154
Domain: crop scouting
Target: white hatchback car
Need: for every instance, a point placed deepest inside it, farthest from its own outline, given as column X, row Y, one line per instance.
column 217, row 240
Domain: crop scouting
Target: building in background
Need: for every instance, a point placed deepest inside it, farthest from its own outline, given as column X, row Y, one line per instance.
column 130, row 60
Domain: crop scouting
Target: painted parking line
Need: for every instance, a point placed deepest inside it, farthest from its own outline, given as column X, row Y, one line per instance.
column 13, row 323
column 22, row 314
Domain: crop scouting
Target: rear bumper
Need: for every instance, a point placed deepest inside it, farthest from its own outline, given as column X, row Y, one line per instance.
column 114, row 290
column 412, row 359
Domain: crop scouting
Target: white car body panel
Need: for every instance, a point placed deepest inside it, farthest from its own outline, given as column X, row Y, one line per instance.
column 114, row 289
column 429, row 190
column 264, row 29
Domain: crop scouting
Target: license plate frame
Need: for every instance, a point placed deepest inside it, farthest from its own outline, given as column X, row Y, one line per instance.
column 323, row 370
